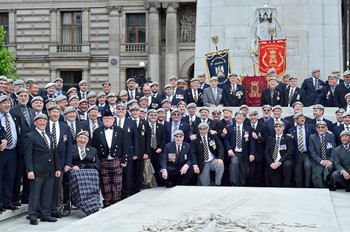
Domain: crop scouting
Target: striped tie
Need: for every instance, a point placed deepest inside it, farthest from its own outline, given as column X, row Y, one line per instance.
column 94, row 126
column 275, row 150
column 153, row 137
column 239, row 137
column 300, row 140
column 25, row 113
column 82, row 154
column 45, row 139
column 72, row 131
column 8, row 131
column 323, row 148
column 206, row 149
column 54, row 134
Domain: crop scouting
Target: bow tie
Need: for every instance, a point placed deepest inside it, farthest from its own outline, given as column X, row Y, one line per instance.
column 106, row 128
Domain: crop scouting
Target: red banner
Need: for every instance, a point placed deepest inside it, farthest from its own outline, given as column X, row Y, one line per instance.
column 272, row 55
column 254, row 86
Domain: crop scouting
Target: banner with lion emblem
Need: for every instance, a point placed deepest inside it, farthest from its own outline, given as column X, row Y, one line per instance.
column 254, row 86
column 272, row 54
column 219, row 64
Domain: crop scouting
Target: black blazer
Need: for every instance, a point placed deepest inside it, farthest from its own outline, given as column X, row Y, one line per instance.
column 38, row 158
column 262, row 133
column 339, row 94
column 119, row 146
column 298, row 95
column 248, row 143
column 311, row 92
column 130, row 132
column 91, row 160
column 79, row 126
column 286, row 148
column 144, row 139
column 278, row 97
column 197, row 150
column 236, row 98
column 179, row 162
column 190, row 98
column 160, row 136
column 86, row 125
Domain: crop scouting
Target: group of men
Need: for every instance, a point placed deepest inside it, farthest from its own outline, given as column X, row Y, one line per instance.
column 184, row 147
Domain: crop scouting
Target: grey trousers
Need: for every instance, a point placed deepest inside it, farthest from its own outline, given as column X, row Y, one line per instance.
column 204, row 176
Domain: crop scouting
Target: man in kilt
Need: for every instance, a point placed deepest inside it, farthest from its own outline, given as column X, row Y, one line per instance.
column 110, row 143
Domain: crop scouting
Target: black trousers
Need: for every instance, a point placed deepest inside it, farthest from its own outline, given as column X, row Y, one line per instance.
column 139, row 165
column 280, row 177
column 155, row 160
column 8, row 163
column 128, row 180
column 20, row 178
column 175, row 177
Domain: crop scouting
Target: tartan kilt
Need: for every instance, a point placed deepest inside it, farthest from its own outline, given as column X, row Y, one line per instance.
column 84, row 189
column 111, row 180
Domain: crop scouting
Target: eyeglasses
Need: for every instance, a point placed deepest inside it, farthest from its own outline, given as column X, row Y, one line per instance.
column 178, row 136
column 152, row 115
column 216, row 113
column 320, row 127
column 278, row 126
column 175, row 114
column 266, row 110
column 120, row 108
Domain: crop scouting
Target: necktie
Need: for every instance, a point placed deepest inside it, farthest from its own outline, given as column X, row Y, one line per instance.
column 153, row 137
column 94, row 126
column 83, row 95
column 300, row 140
column 239, row 137
column 272, row 93
column 323, row 148
column 178, row 151
column 347, row 147
column 120, row 122
column 195, row 97
column 191, row 121
column 347, row 128
column 132, row 94
column 233, row 90
column 25, row 113
column 72, row 131
column 45, row 139
column 175, row 126
column 82, row 154
column 215, row 95
column 347, row 86
column 291, row 96
column 275, row 150
column 316, row 84
column 206, row 149
column 54, row 134
column 253, row 127
column 8, row 131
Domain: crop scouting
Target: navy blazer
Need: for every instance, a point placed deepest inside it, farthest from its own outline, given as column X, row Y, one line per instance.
column 315, row 147
column 64, row 144
column 190, row 97
column 298, row 95
column 278, row 97
column 166, row 161
column 86, row 125
column 339, row 94
column 271, row 122
column 182, row 126
column 286, row 148
column 130, row 132
column 326, row 97
column 311, row 92
column 236, row 98
column 337, row 130
column 309, row 129
column 248, row 143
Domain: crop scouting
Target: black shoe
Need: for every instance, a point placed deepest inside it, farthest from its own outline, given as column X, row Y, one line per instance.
column 347, row 189
column 17, row 203
column 11, row 207
column 2, row 209
column 332, row 188
column 33, row 222
column 49, row 219
column 24, row 201
column 56, row 215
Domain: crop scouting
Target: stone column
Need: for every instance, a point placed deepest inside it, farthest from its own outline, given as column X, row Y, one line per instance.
column 12, row 27
column 85, row 26
column 53, row 74
column 116, row 80
column 153, row 40
column 53, row 25
column 86, row 76
column 171, row 37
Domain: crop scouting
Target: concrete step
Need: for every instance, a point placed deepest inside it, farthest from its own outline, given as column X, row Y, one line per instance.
column 13, row 213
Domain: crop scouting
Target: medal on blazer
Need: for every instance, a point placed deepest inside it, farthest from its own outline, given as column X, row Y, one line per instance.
column 246, row 136
column 278, row 96
column 143, row 130
column 212, row 144
column 65, row 138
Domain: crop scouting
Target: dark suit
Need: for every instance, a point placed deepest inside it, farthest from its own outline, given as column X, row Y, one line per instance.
column 190, row 97
column 80, row 95
column 172, row 162
column 342, row 162
column 144, row 140
column 197, row 158
column 44, row 162
column 186, row 119
column 233, row 98
column 339, row 94
column 26, row 127
column 181, row 126
column 240, row 161
column 316, row 157
column 328, row 122
column 282, row 176
column 86, row 125
column 270, row 126
column 64, row 152
column 79, row 126
column 311, row 92
column 337, row 130
column 212, row 126
column 91, row 160
column 326, row 97
column 137, row 96
column 298, row 95
column 278, row 97
column 291, row 122
column 257, row 167
column 155, row 157
column 301, row 159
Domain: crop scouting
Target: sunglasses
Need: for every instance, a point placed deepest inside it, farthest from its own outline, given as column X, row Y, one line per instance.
column 266, row 110
column 178, row 136
column 321, row 127
column 216, row 114
column 176, row 114
column 152, row 115
column 120, row 108
column 278, row 126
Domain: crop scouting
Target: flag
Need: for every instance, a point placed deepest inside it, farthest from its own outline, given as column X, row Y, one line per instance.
column 254, row 86
column 272, row 55
column 219, row 64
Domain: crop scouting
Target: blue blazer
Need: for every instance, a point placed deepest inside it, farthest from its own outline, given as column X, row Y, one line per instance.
column 179, row 161
column 248, row 144
column 130, row 132
column 182, row 126
column 311, row 92
column 270, row 126
column 309, row 130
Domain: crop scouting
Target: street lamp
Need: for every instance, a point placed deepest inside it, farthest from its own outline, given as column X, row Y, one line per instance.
column 142, row 79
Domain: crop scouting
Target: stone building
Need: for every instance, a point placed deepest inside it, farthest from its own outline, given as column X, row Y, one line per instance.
column 105, row 40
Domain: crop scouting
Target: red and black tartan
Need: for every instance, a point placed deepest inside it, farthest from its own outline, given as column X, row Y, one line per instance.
column 111, row 181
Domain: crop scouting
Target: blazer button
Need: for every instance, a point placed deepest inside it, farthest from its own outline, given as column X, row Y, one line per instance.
column 49, row 160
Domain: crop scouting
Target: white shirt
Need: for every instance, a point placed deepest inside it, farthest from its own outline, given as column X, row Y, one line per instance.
column 57, row 130
column 46, row 136
column 155, row 128
column 121, row 122
column 278, row 153
column 109, row 135
column 211, row 156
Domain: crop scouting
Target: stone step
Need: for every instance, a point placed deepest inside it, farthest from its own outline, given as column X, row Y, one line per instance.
column 13, row 213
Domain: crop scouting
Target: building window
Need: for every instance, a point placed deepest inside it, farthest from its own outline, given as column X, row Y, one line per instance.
column 136, row 26
column 4, row 21
column 71, row 28
column 71, row 79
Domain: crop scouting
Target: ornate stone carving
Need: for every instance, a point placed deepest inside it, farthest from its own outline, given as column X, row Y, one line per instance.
column 293, row 46
column 12, row 11
column 148, row 5
column 187, row 20
column 110, row 9
column 86, row 9
column 175, row 5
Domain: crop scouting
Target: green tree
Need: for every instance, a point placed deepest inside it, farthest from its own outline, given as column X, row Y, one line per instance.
column 7, row 59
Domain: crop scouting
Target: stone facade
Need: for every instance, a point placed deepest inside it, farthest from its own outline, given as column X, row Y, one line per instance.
column 104, row 54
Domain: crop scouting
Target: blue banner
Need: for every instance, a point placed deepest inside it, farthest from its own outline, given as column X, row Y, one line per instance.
column 219, row 64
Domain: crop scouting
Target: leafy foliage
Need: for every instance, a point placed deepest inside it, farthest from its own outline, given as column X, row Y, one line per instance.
column 7, row 59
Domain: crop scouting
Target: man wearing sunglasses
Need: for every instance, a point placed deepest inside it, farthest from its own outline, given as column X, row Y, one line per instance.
column 321, row 146
column 279, row 153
